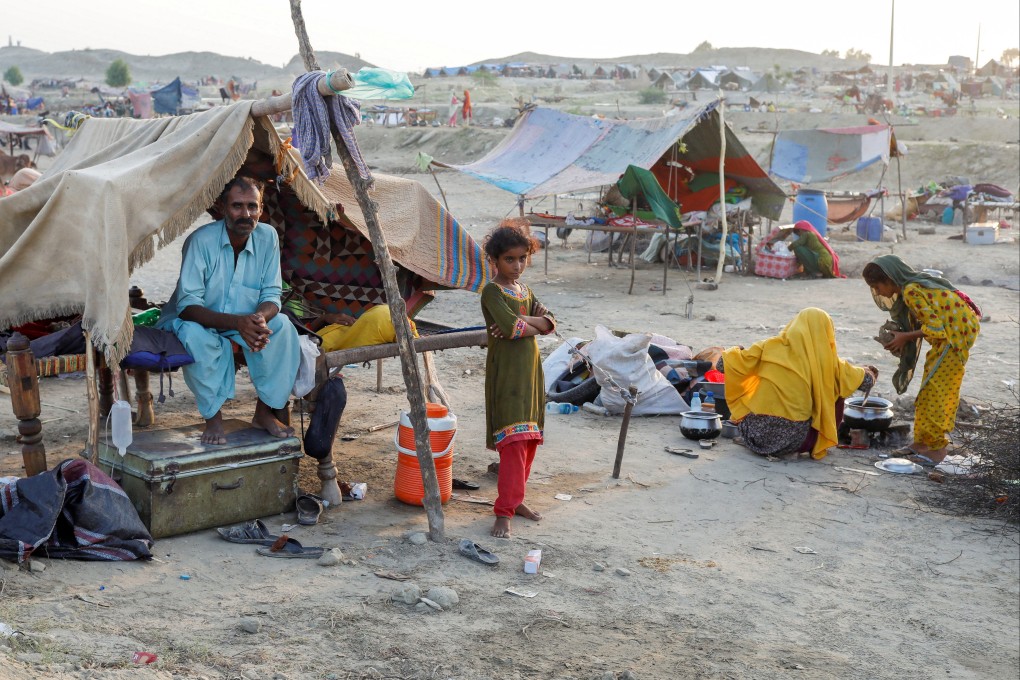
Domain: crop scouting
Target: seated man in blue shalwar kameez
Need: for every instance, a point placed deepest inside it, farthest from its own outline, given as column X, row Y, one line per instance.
column 229, row 290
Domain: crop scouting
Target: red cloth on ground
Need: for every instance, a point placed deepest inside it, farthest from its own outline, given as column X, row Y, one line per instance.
column 715, row 376
column 515, row 459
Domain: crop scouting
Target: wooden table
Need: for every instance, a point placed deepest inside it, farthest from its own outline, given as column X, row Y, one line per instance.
column 547, row 223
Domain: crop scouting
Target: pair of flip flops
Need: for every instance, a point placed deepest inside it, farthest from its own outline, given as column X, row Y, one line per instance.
column 309, row 509
column 256, row 532
column 469, row 548
column 913, row 456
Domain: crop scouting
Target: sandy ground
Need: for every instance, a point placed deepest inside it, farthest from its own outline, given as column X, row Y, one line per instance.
column 680, row 568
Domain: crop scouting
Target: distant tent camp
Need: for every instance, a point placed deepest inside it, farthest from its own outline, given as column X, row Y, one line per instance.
column 550, row 152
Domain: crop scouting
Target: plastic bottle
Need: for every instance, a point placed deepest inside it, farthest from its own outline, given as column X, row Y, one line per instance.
column 566, row 409
column 709, row 403
column 147, row 318
column 120, row 426
column 695, row 402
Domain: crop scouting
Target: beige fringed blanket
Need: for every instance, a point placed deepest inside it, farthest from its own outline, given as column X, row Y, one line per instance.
column 69, row 242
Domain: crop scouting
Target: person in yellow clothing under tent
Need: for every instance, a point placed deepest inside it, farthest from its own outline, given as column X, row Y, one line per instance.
column 343, row 331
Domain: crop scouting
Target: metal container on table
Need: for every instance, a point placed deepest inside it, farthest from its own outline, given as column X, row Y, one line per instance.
column 179, row 485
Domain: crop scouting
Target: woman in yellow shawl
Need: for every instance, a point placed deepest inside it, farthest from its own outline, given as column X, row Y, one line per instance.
column 342, row 331
column 787, row 392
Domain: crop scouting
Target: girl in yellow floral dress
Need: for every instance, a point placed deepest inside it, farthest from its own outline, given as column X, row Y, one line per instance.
column 930, row 308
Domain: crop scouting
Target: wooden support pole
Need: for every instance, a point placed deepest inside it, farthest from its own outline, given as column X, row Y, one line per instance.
column 633, row 243
column 378, row 374
column 398, row 309
column 624, row 426
column 340, row 80
column 92, row 441
column 722, row 191
column 23, row 379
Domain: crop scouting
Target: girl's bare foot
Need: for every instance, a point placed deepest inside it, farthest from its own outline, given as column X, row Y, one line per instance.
column 501, row 527
column 527, row 513
column 214, row 433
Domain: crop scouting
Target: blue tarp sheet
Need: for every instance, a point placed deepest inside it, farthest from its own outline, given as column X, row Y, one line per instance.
column 825, row 155
column 168, row 99
column 551, row 152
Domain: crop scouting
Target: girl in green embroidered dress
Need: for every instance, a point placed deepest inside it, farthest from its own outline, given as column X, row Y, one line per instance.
column 514, row 384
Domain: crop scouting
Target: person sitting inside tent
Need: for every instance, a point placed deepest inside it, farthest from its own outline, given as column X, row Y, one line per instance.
column 813, row 252
column 786, row 392
column 342, row 331
column 229, row 291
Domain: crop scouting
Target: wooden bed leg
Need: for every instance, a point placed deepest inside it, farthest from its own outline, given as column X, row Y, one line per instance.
column 326, row 472
column 23, row 379
column 144, row 416
column 123, row 388
column 105, row 388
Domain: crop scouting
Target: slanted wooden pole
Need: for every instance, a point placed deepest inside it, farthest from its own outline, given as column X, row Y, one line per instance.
column 624, row 426
column 633, row 242
column 92, row 393
column 398, row 309
column 23, row 380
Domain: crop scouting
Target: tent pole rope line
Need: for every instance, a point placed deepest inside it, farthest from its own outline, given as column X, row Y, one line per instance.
column 398, row 309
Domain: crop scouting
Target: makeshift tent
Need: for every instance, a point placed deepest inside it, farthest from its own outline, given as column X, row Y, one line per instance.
column 168, row 99
column 122, row 187
column 551, row 152
column 828, row 154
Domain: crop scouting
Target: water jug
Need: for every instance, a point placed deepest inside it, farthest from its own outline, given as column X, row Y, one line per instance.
column 120, row 426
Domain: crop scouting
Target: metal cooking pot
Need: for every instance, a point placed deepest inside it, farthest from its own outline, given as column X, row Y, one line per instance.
column 700, row 425
column 875, row 416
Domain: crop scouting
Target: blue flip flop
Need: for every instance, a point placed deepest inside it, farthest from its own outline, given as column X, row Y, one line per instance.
column 469, row 548
column 922, row 460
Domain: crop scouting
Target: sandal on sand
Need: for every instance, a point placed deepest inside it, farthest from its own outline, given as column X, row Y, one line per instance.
column 922, row 460
column 252, row 532
column 469, row 548
column 904, row 452
column 464, row 484
column 309, row 507
column 289, row 548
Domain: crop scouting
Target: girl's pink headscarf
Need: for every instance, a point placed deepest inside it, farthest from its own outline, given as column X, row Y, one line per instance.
column 804, row 225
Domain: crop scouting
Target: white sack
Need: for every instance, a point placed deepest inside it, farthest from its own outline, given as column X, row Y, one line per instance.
column 558, row 361
column 626, row 360
column 305, row 380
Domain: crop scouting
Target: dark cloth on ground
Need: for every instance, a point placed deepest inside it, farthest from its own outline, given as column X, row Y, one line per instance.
column 74, row 511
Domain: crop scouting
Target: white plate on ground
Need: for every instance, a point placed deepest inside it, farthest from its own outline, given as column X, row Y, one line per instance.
column 900, row 466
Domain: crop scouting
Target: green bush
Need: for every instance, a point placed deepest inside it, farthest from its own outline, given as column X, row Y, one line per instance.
column 118, row 74
column 13, row 76
column 652, row 95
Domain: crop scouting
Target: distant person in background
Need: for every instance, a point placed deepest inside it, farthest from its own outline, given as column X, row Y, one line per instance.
column 454, row 109
column 466, row 115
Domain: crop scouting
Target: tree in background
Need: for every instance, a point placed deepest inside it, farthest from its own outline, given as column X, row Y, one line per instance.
column 1008, row 56
column 13, row 76
column 830, row 53
column 652, row 95
column 854, row 54
column 705, row 46
column 118, row 74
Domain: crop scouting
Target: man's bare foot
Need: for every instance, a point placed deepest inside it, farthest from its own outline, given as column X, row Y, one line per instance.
column 214, row 433
column 501, row 527
column 265, row 420
column 527, row 513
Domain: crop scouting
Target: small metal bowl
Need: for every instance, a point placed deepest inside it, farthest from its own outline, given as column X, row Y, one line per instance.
column 730, row 429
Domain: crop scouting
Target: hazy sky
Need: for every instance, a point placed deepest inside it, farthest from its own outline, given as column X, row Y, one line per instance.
column 410, row 36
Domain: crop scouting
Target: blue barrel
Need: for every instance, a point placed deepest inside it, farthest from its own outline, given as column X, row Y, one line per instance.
column 869, row 229
column 812, row 206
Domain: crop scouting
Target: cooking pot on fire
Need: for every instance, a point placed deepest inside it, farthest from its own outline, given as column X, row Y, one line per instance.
column 874, row 416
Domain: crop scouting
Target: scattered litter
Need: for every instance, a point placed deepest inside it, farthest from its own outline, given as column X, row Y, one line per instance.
column 431, row 603
column 6, row 630
column 856, row 471
column 804, row 550
column 349, row 437
column 376, row 428
column 563, row 496
column 85, row 599
column 185, row 577
column 143, row 657
column 285, row 528
column 532, row 561
column 468, row 498
column 359, row 490
column 521, row 593
column 392, row 575
column 958, row 465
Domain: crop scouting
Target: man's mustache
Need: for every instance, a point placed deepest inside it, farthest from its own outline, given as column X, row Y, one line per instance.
column 245, row 221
